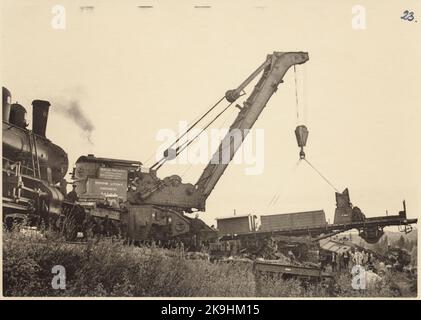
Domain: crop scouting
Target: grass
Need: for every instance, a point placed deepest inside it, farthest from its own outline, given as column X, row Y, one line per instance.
column 111, row 269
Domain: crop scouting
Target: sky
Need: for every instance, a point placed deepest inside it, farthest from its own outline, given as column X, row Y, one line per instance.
column 134, row 72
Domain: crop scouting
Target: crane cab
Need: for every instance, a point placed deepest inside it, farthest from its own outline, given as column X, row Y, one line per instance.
column 103, row 180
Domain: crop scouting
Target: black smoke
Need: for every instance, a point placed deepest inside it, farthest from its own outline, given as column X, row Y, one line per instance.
column 74, row 112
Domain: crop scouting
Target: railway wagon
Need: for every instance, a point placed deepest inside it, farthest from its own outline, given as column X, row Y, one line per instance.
column 292, row 220
column 236, row 224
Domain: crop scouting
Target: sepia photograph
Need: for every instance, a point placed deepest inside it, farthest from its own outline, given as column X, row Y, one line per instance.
column 210, row 149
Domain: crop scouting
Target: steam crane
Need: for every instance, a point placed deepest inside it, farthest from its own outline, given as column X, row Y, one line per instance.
column 156, row 207
column 152, row 208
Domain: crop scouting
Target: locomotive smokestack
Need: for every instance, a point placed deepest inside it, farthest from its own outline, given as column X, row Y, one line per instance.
column 40, row 116
column 7, row 97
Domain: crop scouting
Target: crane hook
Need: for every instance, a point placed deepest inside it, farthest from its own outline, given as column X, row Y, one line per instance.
column 301, row 133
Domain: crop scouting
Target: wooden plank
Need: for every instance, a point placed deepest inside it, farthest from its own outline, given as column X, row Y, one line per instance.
column 287, row 269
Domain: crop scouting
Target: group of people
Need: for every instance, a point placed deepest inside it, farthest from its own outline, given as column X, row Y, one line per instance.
column 341, row 261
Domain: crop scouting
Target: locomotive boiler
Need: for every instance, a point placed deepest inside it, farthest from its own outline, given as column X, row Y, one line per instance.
column 33, row 167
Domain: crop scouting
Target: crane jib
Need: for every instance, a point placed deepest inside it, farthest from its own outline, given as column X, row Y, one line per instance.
column 274, row 69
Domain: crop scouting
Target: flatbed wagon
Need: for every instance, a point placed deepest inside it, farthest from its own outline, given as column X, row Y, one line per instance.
column 290, row 271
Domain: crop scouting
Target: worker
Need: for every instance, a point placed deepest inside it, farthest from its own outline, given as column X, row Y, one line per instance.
column 351, row 258
column 370, row 258
column 364, row 256
column 339, row 261
column 72, row 195
column 334, row 265
column 346, row 259
column 357, row 258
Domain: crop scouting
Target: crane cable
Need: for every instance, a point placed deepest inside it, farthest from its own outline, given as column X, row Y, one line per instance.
column 276, row 196
column 296, row 94
column 191, row 126
column 163, row 159
column 220, row 127
column 185, row 144
column 298, row 118
column 304, row 101
column 196, row 122
column 320, row 174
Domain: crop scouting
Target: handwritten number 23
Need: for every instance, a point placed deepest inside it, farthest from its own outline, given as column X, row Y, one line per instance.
column 408, row 15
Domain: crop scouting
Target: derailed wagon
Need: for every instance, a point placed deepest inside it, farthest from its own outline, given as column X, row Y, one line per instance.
column 272, row 271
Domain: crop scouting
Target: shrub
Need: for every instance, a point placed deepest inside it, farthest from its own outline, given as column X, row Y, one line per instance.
column 109, row 268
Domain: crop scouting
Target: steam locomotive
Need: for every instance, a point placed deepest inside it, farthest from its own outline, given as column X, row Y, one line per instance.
column 34, row 169
column 34, row 185
column 33, row 166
